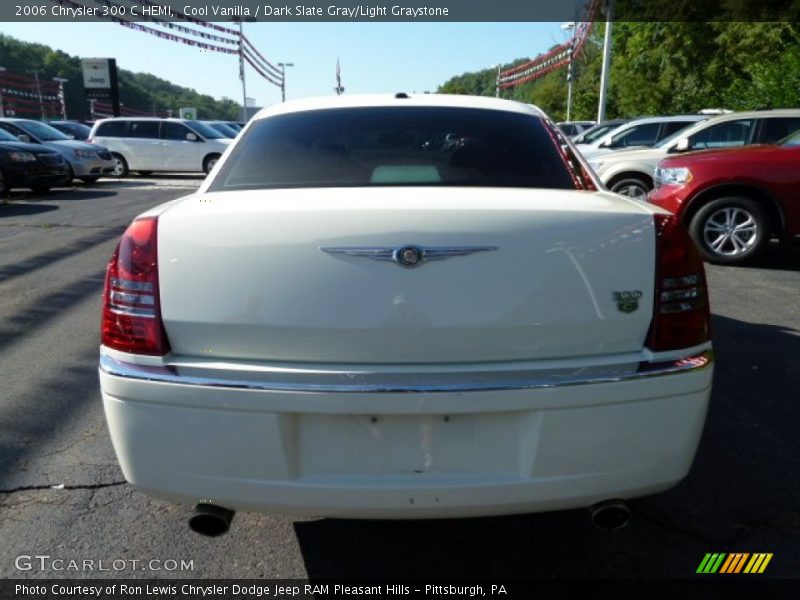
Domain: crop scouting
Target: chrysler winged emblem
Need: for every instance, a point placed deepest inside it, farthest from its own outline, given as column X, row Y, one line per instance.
column 406, row 256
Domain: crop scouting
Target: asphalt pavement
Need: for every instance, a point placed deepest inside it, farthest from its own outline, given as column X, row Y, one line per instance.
column 62, row 494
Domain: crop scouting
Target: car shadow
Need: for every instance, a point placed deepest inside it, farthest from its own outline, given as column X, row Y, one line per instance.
column 740, row 495
column 77, row 193
column 11, row 209
column 116, row 183
column 186, row 176
column 42, row 260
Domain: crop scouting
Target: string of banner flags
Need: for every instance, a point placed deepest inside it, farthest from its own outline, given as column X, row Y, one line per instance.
column 557, row 58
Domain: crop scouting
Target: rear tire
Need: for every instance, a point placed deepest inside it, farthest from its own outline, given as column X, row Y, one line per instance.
column 632, row 187
column 120, row 166
column 731, row 230
column 209, row 162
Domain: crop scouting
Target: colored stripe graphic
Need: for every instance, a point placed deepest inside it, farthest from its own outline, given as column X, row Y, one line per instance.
column 740, row 563
column 727, row 564
column 703, row 563
column 723, row 563
column 767, row 558
column 711, row 562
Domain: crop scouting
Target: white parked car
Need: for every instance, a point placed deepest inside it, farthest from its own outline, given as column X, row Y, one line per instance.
column 148, row 144
column 639, row 133
column 345, row 320
column 631, row 173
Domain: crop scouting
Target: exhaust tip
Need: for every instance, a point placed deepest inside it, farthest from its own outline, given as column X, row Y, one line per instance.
column 610, row 515
column 211, row 520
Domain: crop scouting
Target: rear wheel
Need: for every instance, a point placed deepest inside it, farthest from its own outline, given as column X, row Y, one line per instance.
column 632, row 187
column 730, row 230
column 209, row 162
column 120, row 166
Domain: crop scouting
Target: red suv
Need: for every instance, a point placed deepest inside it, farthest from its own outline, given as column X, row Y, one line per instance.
column 734, row 200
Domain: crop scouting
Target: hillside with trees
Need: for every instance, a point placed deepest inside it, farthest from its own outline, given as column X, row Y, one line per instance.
column 139, row 91
column 667, row 68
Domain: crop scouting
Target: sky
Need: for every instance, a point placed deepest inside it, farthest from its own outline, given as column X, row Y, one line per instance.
column 374, row 57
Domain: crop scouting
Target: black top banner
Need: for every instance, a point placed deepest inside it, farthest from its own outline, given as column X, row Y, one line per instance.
column 295, row 589
column 220, row 11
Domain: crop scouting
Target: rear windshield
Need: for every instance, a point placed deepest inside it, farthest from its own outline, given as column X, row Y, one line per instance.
column 391, row 146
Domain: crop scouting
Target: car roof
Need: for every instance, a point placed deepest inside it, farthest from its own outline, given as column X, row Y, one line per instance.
column 397, row 100
column 667, row 119
column 178, row 119
column 735, row 116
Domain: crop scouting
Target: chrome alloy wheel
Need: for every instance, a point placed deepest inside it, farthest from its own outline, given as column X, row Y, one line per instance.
column 730, row 231
column 633, row 191
column 631, row 187
column 119, row 167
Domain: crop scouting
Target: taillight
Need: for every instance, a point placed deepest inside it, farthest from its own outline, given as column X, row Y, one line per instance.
column 131, row 305
column 681, row 317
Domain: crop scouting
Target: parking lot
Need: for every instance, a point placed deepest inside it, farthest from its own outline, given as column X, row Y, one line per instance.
column 63, row 495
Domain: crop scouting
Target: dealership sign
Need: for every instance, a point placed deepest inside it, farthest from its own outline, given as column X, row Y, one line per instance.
column 96, row 73
column 100, row 81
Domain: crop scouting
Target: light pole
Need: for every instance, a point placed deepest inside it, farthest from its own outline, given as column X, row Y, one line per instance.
column 61, row 81
column 497, row 83
column 601, row 105
column 283, row 78
column 241, row 70
column 2, row 110
column 241, row 20
column 569, row 27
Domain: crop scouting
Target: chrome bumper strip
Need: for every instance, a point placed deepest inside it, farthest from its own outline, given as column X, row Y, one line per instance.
column 368, row 382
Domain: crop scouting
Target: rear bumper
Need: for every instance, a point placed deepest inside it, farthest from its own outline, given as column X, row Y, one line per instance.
column 424, row 446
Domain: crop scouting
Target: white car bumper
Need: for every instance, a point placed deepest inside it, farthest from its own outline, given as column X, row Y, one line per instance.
column 405, row 445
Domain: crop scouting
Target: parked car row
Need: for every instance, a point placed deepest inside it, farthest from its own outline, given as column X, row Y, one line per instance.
column 110, row 148
column 79, row 160
column 730, row 177
column 733, row 200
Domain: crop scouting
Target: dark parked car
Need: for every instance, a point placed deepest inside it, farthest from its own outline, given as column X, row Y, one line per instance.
column 734, row 200
column 87, row 162
column 29, row 166
column 77, row 130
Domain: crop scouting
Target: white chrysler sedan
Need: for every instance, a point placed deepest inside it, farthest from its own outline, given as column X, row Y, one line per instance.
column 354, row 318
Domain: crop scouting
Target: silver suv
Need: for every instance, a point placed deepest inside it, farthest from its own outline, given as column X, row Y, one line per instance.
column 631, row 173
